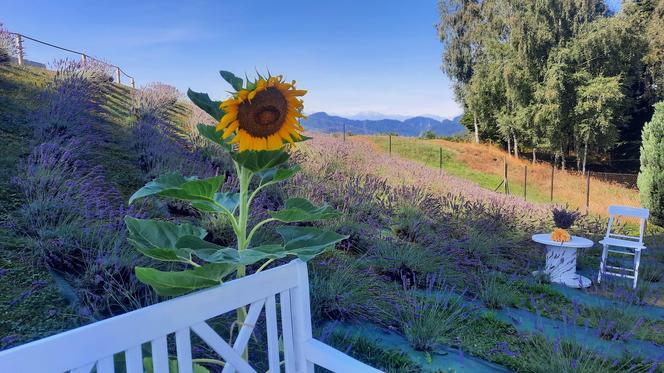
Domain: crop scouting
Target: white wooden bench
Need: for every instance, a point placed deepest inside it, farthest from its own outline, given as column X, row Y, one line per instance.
column 93, row 346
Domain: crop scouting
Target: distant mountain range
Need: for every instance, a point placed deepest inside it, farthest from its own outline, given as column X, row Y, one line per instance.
column 416, row 126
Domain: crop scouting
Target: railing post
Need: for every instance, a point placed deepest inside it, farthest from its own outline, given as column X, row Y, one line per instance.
column 133, row 83
column 117, row 74
column 19, row 49
column 84, row 58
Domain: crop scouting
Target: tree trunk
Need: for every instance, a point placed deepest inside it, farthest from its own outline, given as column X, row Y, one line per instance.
column 534, row 156
column 562, row 159
column 516, row 147
column 509, row 146
column 477, row 129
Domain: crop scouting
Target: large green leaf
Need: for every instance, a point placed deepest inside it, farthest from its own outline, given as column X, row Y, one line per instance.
column 210, row 133
column 223, row 202
column 181, row 282
column 260, row 160
column 301, row 210
column 307, row 242
column 233, row 80
column 149, row 233
column 203, row 101
column 208, row 251
column 275, row 175
column 157, row 239
column 177, row 186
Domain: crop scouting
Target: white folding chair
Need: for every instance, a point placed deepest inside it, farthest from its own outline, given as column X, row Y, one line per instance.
column 622, row 244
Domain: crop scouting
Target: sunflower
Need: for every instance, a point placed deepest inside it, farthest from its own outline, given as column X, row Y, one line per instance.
column 264, row 117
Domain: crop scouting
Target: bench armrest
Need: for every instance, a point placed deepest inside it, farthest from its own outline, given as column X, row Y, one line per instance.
column 330, row 358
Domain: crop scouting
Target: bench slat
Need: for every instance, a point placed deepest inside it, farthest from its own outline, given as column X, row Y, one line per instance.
column 183, row 347
column 160, row 355
column 220, row 346
column 272, row 335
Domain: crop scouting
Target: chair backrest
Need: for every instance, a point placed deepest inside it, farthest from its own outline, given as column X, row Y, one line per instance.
column 94, row 346
column 630, row 212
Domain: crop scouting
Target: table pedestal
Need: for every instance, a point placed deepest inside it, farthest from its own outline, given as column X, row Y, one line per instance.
column 561, row 267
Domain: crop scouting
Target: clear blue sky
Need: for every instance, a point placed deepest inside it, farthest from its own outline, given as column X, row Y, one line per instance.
column 353, row 56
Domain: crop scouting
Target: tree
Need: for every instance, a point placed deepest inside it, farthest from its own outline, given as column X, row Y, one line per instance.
column 597, row 112
column 651, row 175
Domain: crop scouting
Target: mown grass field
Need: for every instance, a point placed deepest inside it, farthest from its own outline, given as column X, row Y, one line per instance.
column 483, row 165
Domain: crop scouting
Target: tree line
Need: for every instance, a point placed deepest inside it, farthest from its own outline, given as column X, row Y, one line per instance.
column 565, row 78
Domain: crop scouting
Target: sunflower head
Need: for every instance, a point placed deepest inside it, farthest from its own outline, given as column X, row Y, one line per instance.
column 263, row 116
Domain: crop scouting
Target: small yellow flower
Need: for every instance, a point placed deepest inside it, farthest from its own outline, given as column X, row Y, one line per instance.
column 560, row 235
column 265, row 117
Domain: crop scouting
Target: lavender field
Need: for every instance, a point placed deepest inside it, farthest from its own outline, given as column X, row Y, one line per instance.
column 434, row 277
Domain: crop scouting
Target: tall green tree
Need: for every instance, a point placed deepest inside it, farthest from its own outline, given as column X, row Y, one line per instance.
column 597, row 111
column 651, row 175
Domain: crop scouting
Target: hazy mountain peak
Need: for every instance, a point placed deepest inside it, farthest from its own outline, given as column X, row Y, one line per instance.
column 415, row 126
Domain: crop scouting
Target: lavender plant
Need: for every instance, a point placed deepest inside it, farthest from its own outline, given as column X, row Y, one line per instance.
column 564, row 218
column 433, row 316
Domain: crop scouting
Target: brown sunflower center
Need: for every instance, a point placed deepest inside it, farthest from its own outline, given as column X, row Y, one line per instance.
column 265, row 114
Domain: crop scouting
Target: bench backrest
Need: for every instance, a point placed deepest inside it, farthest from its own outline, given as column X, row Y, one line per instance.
column 630, row 212
column 94, row 345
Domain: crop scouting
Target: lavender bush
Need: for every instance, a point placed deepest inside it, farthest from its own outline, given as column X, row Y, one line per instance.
column 154, row 101
column 7, row 45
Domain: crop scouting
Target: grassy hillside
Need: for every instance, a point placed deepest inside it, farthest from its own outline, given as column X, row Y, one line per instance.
column 483, row 165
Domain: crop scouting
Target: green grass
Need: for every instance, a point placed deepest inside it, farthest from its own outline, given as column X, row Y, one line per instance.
column 429, row 153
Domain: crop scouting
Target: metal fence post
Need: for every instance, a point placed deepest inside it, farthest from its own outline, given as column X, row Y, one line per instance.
column 344, row 133
column 440, row 162
column 117, row 74
column 19, row 49
column 133, row 83
column 390, row 136
column 507, row 187
column 525, row 182
column 553, row 168
column 588, row 191
column 84, row 58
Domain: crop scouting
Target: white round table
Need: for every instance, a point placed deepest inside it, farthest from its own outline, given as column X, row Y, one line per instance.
column 561, row 259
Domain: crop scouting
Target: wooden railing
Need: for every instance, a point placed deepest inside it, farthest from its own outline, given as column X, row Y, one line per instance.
column 20, row 54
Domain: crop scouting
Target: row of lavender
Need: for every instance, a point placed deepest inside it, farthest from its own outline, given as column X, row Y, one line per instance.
column 73, row 210
column 428, row 252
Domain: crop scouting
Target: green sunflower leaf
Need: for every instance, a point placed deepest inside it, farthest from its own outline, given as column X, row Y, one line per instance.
column 159, row 234
column 180, row 282
column 210, row 133
column 275, row 175
column 223, row 202
column 308, row 242
column 208, row 251
column 177, row 186
column 233, row 80
column 301, row 210
column 260, row 160
column 203, row 101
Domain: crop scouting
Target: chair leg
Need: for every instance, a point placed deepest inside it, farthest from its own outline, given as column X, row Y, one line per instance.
column 602, row 263
column 637, row 261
